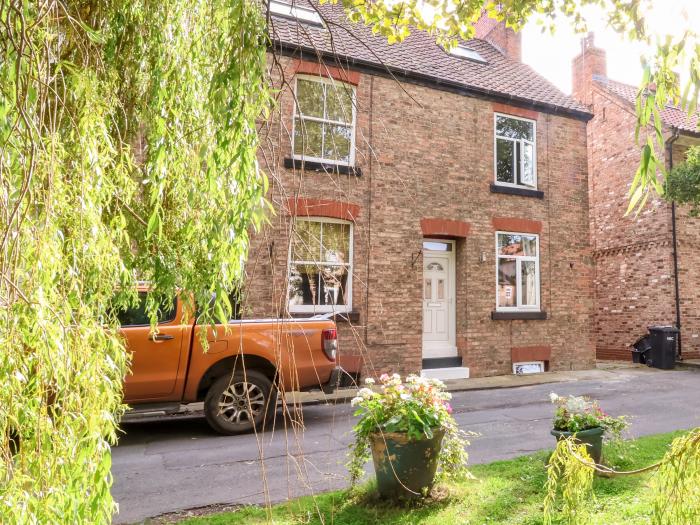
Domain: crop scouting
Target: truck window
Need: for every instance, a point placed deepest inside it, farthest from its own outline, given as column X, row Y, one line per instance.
column 137, row 316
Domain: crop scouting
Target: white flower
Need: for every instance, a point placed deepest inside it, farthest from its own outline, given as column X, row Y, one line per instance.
column 553, row 397
column 406, row 397
column 396, row 377
column 369, row 381
column 355, row 401
column 364, row 393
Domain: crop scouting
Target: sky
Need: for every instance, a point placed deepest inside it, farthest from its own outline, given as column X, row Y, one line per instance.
column 551, row 55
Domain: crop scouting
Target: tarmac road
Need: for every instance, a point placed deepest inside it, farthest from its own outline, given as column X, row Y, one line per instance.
column 177, row 464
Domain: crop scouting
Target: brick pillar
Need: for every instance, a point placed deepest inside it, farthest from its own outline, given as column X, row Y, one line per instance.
column 497, row 34
column 591, row 61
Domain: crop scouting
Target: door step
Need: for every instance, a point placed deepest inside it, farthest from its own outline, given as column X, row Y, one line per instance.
column 442, row 362
column 451, row 372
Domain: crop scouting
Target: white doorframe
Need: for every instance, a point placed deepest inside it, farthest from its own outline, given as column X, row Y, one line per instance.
column 442, row 349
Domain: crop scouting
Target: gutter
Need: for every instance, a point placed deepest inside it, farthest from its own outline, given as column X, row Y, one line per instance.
column 669, row 152
column 303, row 52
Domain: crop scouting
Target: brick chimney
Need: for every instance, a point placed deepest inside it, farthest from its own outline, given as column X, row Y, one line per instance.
column 591, row 61
column 497, row 34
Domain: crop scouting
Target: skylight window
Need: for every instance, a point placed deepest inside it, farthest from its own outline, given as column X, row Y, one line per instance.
column 297, row 12
column 465, row 52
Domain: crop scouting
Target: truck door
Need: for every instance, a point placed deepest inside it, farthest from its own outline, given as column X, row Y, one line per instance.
column 157, row 358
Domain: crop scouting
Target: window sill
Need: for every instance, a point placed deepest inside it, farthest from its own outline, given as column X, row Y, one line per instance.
column 328, row 167
column 340, row 317
column 521, row 316
column 522, row 192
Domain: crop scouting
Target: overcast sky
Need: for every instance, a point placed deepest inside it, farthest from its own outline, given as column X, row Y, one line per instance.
column 551, row 55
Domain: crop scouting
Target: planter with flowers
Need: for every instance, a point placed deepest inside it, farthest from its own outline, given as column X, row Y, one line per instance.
column 583, row 418
column 409, row 429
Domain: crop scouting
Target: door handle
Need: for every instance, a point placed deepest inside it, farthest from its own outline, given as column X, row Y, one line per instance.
column 160, row 337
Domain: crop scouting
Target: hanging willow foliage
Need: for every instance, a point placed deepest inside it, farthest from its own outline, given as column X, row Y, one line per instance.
column 127, row 152
column 675, row 485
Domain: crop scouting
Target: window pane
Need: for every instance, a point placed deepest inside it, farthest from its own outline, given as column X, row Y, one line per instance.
column 339, row 103
column 303, row 284
column 333, row 283
column 336, row 243
column 529, row 244
column 307, row 138
column 514, row 128
column 527, row 177
column 509, row 244
column 306, row 241
column 428, row 289
column 506, row 282
column 441, row 289
column 310, row 98
column 336, row 144
column 528, row 279
column 505, row 152
column 137, row 316
column 437, row 246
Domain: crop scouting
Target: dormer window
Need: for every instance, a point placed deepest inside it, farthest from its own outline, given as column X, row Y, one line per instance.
column 296, row 12
column 463, row 51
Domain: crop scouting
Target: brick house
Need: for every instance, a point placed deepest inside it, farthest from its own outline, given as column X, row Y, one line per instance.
column 646, row 265
column 435, row 203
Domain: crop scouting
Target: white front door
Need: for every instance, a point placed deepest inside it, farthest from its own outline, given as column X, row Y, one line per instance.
column 439, row 299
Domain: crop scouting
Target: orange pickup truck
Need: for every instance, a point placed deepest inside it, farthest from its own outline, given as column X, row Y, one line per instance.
column 240, row 374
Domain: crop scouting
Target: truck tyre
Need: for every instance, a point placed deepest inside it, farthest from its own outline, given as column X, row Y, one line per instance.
column 240, row 403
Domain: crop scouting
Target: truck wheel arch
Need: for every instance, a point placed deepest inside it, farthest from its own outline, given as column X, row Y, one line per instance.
column 227, row 366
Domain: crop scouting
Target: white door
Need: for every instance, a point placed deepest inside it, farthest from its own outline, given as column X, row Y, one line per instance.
column 438, row 302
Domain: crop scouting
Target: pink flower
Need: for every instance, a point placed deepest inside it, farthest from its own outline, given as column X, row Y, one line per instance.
column 448, row 407
column 384, row 377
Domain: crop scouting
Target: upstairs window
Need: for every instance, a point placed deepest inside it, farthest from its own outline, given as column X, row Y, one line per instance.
column 515, row 152
column 296, row 12
column 517, row 271
column 324, row 121
column 320, row 266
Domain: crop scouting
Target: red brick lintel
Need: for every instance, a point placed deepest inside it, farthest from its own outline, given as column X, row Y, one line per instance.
column 516, row 225
column 523, row 354
column 322, row 70
column 444, row 228
column 512, row 110
column 303, row 207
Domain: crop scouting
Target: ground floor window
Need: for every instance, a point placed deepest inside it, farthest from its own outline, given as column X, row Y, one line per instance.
column 517, row 271
column 320, row 266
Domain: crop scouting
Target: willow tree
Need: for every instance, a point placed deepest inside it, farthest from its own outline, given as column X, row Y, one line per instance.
column 127, row 152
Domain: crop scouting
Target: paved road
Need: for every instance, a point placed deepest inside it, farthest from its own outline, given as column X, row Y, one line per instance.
column 174, row 465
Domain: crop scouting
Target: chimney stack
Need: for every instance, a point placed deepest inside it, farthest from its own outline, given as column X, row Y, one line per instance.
column 497, row 34
column 591, row 61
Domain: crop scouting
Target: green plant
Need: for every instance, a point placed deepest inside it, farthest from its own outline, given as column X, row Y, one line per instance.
column 682, row 185
column 577, row 413
column 127, row 152
column 416, row 407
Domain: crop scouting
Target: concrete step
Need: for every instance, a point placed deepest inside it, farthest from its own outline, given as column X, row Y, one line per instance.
column 452, row 372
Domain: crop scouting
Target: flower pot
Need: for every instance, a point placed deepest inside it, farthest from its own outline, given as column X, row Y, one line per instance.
column 405, row 468
column 592, row 438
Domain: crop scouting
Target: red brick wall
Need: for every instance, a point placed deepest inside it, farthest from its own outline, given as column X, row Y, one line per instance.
column 428, row 154
column 634, row 279
column 688, row 235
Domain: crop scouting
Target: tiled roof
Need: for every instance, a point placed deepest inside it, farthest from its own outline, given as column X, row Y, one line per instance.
column 419, row 57
column 671, row 115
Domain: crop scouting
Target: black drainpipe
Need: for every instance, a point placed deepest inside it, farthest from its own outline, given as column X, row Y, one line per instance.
column 669, row 150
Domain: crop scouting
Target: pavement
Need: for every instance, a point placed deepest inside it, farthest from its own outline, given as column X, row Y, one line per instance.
column 173, row 464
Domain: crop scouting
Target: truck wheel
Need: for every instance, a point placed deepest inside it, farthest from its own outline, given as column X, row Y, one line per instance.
column 240, row 403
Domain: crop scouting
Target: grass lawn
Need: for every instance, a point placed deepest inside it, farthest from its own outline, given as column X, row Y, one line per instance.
column 505, row 492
